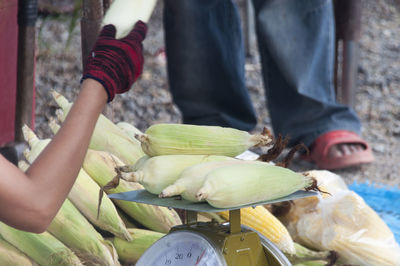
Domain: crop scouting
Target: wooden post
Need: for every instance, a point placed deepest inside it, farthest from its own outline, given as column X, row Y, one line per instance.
column 92, row 15
column 348, row 31
column 25, row 111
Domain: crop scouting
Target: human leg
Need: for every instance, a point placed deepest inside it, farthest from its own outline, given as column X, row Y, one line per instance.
column 206, row 63
column 296, row 41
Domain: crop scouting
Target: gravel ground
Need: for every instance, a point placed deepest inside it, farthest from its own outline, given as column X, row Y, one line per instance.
column 377, row 99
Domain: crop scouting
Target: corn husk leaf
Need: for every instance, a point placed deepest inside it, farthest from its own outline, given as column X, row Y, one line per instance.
column 43, row 248
column 101, row 166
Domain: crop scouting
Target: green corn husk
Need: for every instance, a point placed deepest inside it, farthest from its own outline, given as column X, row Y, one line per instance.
column 164, row 139
column 158, row 172
column 246, row 183
column 305, row 256
column 84, row 192
column 10, row 255
column 70, row 227
column 107, row 136
column 129, row 129
column 130, row 252
column 101, row 167
column 43, row 248
column 192, row 178
column 312, row 263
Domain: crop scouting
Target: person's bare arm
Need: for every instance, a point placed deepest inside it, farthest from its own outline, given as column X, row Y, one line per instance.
column 29, row 201
column 38, row 195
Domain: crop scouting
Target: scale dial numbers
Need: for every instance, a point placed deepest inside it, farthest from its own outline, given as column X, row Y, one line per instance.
column 182, row 248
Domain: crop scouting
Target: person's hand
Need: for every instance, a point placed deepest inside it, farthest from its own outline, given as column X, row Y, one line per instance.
column 116, row 64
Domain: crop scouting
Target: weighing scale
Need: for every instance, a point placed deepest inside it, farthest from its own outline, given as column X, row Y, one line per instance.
column 209, row 243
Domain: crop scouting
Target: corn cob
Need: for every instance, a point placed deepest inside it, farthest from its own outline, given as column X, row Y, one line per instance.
column 192, row 179
column 305, row 256
column 129, row 129
column 70, row 227
column 43, row 248
column 101, row 167
column 261, row 220
column 134, row 167
column 10, row 255
column 84, row 193
column 164, row 139
column 246, row 183
column 128, row 221
column 107, row 136
column 129, row 252
column 124, row 14
column 158, row 172
column 23, row 165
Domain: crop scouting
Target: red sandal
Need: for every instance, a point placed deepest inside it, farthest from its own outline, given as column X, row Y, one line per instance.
column 319, row 151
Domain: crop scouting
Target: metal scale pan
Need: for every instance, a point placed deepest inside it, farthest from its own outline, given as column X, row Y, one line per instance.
column 199, row 243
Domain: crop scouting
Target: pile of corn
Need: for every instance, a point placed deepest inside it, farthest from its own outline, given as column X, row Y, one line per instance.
column 196, row 162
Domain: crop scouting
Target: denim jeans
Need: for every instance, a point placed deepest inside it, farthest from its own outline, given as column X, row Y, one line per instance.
column 206, row 59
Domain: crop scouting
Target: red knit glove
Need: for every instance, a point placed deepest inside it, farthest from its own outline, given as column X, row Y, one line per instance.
column 116, row 64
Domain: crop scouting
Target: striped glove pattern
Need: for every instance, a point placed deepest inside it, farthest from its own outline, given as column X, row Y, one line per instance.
column 116, row 64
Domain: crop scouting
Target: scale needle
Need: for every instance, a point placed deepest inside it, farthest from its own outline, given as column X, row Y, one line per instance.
column 199, row 259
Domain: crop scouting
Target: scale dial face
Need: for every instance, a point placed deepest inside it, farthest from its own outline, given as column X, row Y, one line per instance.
column 182, row 248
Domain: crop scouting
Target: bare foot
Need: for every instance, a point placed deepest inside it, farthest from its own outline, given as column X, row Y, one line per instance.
column 345, row 149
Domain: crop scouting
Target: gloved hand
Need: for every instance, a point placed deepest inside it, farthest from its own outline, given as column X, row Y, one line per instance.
column 116, row 64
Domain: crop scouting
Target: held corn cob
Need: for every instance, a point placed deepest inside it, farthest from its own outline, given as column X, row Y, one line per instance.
column 107, row 136
column 164, row 139
column 129, row 252
column 247, row 183
column 10, row 255
column 84, row 192
column 158, row 172
column 43, row 248
column 192, row 178
column 101, row 166
column 261, row 220
column 124, row 14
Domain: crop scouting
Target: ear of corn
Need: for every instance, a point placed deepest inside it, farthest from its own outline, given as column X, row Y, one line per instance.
column 124, row 14
column 158, row 172
column 10, row 255
column 305, row 256
column 129, row 129
column 261, row 220
column 164, row 139
column 101, row 167
column 246, row 183
column 84, row 193
column 129, row 252
column 23, row 165
column 192, row 178
column 107, row 136
column 43, row 248
column 71, row 228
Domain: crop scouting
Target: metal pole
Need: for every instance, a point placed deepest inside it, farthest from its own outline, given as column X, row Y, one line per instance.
column 25, row 110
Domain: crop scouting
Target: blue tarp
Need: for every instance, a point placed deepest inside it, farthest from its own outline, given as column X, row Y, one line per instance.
column 384, row 200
